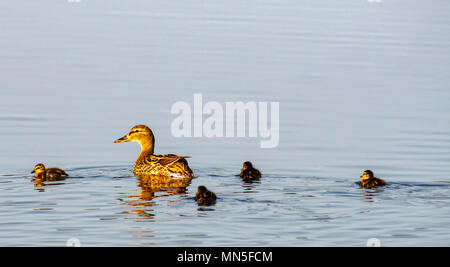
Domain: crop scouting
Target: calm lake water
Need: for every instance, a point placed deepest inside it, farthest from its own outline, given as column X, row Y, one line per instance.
column 361, row 85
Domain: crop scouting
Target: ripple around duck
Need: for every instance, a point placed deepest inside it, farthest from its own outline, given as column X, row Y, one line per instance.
column 19, row 118
column 317, row 204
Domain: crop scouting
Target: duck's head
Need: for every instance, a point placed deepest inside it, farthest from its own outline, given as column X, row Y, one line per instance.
column 202, row 189
column 39, row 168
column 367, row 174
column 247, row 165
column 140, row 134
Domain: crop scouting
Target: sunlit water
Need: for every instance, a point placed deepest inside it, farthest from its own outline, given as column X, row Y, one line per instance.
column 361, row 85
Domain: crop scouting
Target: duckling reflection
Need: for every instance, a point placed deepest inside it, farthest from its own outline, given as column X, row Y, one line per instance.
column 39, row 185
column 204, row 196
column 249, row 173
column 368, row 180
column 368, row 196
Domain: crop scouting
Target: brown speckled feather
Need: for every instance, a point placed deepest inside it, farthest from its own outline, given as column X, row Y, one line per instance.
column 250, row 174
column 55, row 173
column 169, row 164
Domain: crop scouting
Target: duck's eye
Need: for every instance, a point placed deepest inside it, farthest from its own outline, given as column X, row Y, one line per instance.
column 135, row 131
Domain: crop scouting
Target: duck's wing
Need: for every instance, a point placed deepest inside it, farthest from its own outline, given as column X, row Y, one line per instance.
column 171, row 164
column 371, row 183
column 164, row 160
column 250, row 174
column 379, row 181
column 55, row 172
column 257, row 173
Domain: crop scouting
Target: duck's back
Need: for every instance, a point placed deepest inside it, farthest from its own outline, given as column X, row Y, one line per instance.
column 55, row 173
column 207, row 196
column 250, row 173
column 166, row 165
column 371, row 183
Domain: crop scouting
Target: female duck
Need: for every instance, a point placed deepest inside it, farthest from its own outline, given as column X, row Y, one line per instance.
column 368, row 180
column 148, row 164
column 204, row 196
column 40, row 172
column 248, row 172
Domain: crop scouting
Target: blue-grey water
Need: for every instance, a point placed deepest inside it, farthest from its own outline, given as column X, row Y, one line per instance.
column 361, row 85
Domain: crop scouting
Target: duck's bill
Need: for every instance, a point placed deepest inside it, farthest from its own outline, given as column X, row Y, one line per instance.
column 123, row 139
column 33, row 171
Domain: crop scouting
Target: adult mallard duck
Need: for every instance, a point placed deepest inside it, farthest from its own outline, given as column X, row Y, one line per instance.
column 148, row 164
column 248, row 172
column 40, row 172
column 368, row 180
column 204, row 196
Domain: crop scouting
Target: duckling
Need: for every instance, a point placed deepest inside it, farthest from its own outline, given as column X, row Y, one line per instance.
column 368, row 180
column 248, row 172
column 40, row 172
column 204, row 196
column 148, row 164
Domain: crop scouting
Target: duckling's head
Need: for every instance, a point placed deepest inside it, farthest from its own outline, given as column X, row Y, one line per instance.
column 247, row 165
column 202, row 189
column 367, row 174
column 39, row 168
column 140, row 134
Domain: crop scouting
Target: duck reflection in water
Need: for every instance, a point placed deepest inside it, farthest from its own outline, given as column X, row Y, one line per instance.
column 168, row 186
column 152, row 187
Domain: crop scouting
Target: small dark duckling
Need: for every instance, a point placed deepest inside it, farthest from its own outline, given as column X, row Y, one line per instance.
column 204, row 196
column 368, row 180
column 248, row 172
column 40, row 172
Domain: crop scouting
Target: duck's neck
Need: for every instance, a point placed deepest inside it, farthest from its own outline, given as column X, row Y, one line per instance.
column 146, row 148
